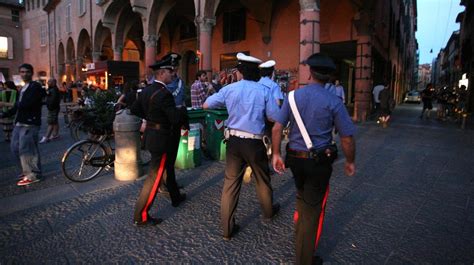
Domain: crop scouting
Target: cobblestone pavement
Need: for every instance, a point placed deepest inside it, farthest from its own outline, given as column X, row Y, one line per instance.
column 411, row 202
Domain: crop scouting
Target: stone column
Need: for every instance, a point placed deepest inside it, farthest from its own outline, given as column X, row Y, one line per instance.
column 118, row 53
column 67, row 71
column 363, row 78
column 309, row 36
column 79, row 69
column 205, row 40
column 96, row 56
column 150, row 51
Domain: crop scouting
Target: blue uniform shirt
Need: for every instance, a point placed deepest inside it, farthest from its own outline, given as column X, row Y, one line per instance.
column 274, row 87
column 248, row 103
column 320, row 110
column 331, row 88
column 176, row 87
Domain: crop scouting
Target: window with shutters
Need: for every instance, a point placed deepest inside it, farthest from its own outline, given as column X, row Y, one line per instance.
column 58, row 24
column 82, row 7
column 15, row 15
column 68, row 18
column 234, row 25
column 51, row 30
column 26, row 39
column 43, row 34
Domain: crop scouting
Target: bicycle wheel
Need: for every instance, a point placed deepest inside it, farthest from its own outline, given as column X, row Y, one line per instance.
column 84, row 160
column 145, row 157
column 79, row 133
column 72, row 129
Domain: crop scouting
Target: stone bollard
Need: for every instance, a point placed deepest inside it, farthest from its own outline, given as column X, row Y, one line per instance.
column 127, row 165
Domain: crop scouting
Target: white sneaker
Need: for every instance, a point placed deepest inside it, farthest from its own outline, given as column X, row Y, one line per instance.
column 44, row 140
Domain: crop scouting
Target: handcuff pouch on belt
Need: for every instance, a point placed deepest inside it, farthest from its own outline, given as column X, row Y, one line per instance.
column 327, row 154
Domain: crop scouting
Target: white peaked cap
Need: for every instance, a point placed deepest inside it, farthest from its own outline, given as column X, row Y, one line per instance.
column 267, row 64
column 245, row 58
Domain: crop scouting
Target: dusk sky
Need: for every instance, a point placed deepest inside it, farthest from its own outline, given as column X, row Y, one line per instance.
column 436, row 23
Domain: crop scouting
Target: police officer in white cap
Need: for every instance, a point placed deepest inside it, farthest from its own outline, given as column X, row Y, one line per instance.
column 267, row 70
column 248, row 103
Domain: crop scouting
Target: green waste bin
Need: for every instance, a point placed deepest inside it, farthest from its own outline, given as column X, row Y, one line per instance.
column 215, row 145
column 196, row 116
column 189, row 150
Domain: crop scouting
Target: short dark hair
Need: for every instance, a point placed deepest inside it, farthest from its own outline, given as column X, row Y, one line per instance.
column 26, row 66
column 266, row 71
column 199, row 73
column 320, row 74
column 10, row 85
column 249, row 71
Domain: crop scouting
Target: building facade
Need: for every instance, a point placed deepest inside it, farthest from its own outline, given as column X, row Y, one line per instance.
column 448, row 64
column 371, row 41
column 466, row 19
column 11, row 47
column 424, row 76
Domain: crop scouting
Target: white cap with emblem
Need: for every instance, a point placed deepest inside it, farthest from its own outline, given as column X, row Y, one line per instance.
column 267, row 64
column 246, row 58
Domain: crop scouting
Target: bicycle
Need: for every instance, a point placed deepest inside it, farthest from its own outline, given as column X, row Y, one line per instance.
column 85, row 159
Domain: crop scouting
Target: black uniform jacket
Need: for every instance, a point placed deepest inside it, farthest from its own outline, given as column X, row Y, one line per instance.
column 156, row 105
column 28, row 109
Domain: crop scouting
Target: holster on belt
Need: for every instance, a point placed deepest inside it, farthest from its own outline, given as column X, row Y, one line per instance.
column 325, row 155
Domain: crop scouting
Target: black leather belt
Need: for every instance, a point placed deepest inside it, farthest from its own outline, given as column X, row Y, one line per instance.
column 323, row 155
column 156, row 126
column 299, row 154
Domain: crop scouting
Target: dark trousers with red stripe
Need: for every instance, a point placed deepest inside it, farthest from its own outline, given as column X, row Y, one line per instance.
column 158, row 144
column 169, row 179
column 150, row 187
column 312, row 186
column 241, row 152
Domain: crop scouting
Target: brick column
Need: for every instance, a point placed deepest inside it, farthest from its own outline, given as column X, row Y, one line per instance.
column 309, row 36
column 363, row 78
column 150, row 51
column 205, row 39
column 118, row 53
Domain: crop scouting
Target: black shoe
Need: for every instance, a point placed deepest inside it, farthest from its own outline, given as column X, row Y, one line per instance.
column 179, row 200
column 276, row 209
column 235, row 230
column 149, row 222
column 317, row 260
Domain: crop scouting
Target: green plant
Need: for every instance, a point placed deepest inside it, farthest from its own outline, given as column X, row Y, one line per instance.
column 99, row 115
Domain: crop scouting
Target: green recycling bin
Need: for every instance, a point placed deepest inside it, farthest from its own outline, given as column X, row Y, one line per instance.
column 196, row 115
column 189, row 150
column 215, row 145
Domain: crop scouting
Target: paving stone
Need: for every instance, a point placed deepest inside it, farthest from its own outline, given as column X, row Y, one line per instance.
column 411, row 202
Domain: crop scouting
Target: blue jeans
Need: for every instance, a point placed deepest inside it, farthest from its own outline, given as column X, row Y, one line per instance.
column 24, row 146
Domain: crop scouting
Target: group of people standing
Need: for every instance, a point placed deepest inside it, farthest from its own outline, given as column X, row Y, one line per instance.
column 254, row 107
column 449, row 101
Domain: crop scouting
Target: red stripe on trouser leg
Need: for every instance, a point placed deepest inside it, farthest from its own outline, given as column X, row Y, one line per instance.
column 321, row 218
column 154, row 188
column 295, row 217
